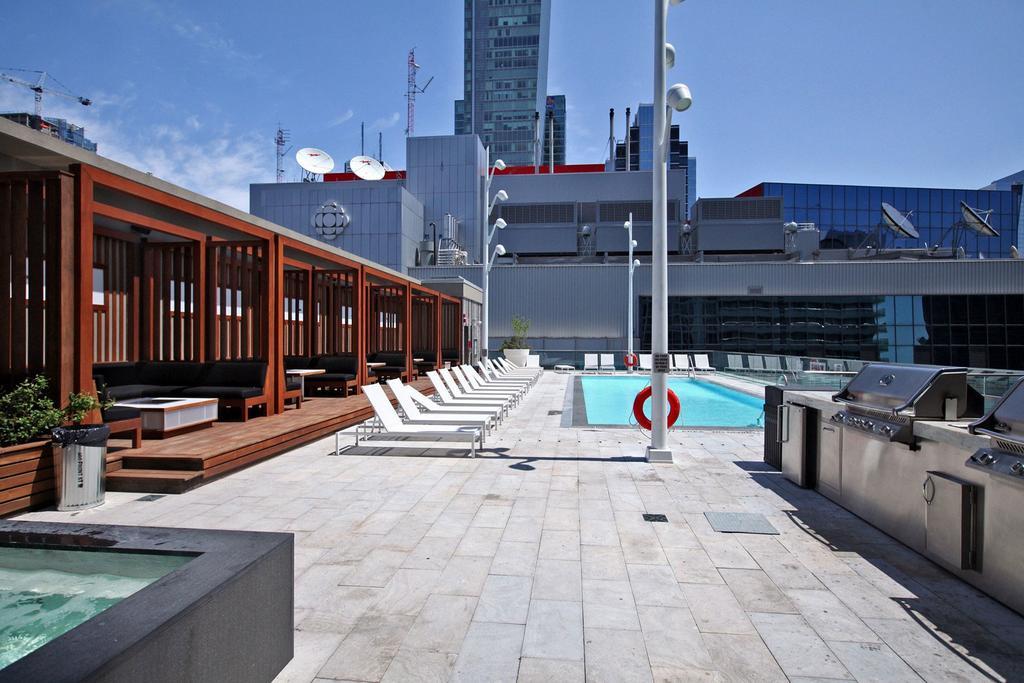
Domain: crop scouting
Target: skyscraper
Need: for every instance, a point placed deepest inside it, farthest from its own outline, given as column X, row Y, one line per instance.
column 505, row 76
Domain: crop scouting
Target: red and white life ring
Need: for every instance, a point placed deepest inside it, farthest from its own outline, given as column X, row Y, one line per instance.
column 641, row 417
column 631, row 359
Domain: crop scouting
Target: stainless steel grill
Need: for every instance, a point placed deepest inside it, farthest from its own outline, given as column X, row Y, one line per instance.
column 1005, row 424
column 885, row 400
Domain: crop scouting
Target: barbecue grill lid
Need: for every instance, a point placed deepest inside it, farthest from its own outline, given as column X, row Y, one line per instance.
column 1006, row 419
column 892, row 387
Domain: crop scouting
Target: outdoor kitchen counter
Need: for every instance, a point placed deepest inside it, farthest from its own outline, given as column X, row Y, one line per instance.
column 953, row 433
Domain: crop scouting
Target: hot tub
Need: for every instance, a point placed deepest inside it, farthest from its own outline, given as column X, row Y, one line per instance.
column 116, row 603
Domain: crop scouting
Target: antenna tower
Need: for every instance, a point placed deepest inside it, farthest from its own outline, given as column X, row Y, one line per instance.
column 280, row 140
column 411, row 91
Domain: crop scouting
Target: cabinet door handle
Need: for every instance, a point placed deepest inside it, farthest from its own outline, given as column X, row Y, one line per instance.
column 783, row 420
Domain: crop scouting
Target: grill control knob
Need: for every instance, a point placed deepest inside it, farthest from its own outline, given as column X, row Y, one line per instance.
column 1018, row 468
column 984, row 458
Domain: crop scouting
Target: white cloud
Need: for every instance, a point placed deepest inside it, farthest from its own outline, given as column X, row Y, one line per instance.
column 219, row 165
column 385, row 122
column 193, row 122
column 338, row 120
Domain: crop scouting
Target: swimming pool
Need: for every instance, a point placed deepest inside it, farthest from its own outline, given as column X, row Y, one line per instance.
column 609, row 401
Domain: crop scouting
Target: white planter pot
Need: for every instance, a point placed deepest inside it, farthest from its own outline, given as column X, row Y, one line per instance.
column 517, row 356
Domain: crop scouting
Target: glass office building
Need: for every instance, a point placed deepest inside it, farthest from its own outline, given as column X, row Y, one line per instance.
column 641, row 151
column 969, row 330
column 505, row 75
column 850, row 215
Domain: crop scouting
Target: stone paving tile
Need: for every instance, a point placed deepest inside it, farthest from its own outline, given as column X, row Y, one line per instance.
column 829, row 617
column 716, row 610
column 673, row 641
column 515, row 559
column 795, row 646
column 532, row 670
column 415, row 666
column 367, row 651
column 609, row 604
column 655, row 585
column 441, row 624
column 554, row 630
column 490, row 652
column 756, row 592
column 463, row 576
column 558, row 580
column 505, row 599
column 873, row 662
column 743, row 658
column 616, row 655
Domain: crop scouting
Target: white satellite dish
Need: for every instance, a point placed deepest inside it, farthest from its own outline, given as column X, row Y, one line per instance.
column 974, row 220
column 315, row 162
column 366, row 168
column 897, row 222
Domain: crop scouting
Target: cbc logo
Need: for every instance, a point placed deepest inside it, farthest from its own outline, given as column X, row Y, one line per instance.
column 330, row 220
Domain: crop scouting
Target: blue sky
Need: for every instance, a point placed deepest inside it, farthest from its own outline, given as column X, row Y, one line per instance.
column 914, row 92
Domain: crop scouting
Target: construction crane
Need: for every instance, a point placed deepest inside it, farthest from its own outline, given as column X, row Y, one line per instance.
column 411, row 91
column 40, row 86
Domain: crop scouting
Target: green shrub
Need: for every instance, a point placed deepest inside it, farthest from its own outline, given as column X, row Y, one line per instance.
column 520, row 327
column 26, row 412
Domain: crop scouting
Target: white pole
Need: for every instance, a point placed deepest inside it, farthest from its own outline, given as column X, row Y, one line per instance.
column 629, row 307
column 484, row 331
column 658, row 450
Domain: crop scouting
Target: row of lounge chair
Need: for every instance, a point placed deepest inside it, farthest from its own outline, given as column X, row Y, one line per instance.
column 681, row 362
column 789, row 364
column 468, row 403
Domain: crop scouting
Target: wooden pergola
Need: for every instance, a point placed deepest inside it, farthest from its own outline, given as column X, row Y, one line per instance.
column 98, row 268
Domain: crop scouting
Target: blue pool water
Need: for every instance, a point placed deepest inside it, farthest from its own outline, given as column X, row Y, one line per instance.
column 45, row 593
column 609, row 401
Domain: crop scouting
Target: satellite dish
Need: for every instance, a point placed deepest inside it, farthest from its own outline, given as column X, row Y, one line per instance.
column 315, row 162
column 897, row 222
column 366, row 168
column 974, row 220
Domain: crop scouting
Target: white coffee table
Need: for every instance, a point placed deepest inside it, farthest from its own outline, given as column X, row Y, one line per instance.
column 164, row 417
column 301, row 373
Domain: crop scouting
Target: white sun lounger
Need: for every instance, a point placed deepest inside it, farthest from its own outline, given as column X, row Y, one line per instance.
column 701, row 363
column 755, row 363
column 391, row 424
column 772, row 363
column 645, row 362
column 607, row 362
column 794, row 364
column 493, row 377
column 590, row 362
column 681, row 362
column 414, row 415
column 445, row 380
column 428, row 405
column 735, row 363
column 503, row 366
column 470, row 387
column 475, row 380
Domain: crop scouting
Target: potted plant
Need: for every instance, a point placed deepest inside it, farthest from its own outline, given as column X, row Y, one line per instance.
column 80, row 455
column 26, row 417
column 514, row 347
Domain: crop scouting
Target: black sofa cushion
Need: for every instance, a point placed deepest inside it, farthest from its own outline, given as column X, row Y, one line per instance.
column 343, row 365
column 118, row 413
column 221, row 392
column 298, row 362
column 126, row 392
column 167, row 373
column 393, row 359
column 292, row 383
column 114, row 374
column 239, row 374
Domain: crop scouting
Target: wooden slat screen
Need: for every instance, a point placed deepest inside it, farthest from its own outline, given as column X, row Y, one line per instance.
column 169, row 303
column 385, row 327
column 333, row 297
column 293, row 331
column 424, row 322
column 451, row 324
column 30, row 209
column 111, row 319
column 236, row 279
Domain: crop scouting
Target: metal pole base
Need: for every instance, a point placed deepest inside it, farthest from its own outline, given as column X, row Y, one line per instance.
column 659, row 454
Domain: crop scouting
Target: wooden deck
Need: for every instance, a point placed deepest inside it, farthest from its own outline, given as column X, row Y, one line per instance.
column 179, row 463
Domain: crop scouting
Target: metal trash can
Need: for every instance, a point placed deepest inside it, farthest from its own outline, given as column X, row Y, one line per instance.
column 80, row 461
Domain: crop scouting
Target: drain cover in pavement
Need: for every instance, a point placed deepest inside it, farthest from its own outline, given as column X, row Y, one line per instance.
column 150, row 498
column 740, row 523
column 648, row 517
column 554, row 412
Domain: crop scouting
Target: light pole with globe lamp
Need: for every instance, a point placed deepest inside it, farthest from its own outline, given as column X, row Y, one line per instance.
column 678, row 98
column 628, row 225
column 485, row 242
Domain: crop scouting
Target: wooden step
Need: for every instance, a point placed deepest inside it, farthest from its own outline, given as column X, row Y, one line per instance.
column 153, row 481
column 159, row 461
